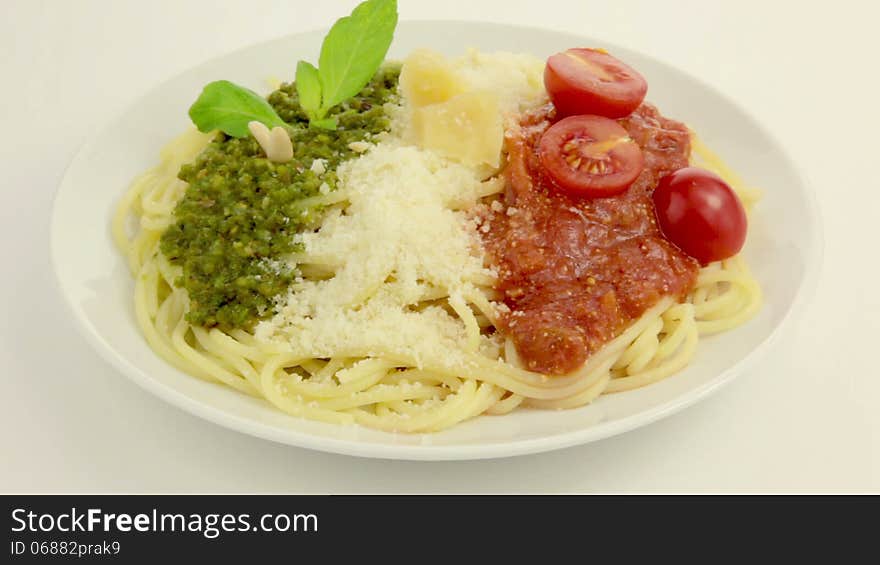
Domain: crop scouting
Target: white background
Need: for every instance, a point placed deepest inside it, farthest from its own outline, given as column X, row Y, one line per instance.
column 806, row 420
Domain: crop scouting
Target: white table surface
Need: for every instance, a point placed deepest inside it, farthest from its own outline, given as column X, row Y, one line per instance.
column 806, row 420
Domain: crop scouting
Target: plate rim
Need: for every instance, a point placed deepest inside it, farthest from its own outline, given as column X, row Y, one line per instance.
column 806, row 288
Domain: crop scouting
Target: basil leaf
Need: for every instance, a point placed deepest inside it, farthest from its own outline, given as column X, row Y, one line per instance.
column 326, row 123
column 229, row 108
column 353, row 50
column 308, row 86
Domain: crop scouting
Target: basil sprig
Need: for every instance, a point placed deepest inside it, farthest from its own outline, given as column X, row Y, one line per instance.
column 352, row 52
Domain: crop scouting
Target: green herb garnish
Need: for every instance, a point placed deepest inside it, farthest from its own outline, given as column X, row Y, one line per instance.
column 352, row 52
column 308, row 85
column 229, row 108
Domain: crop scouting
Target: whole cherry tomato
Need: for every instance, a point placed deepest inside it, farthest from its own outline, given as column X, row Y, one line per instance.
column 700, row 214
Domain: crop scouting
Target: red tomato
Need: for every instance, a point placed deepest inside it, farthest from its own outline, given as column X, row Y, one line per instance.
column 590, row 81
column 590, row 156
column 700, row 213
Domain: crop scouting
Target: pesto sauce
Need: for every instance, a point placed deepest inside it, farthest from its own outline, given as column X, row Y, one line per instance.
column 235, row 224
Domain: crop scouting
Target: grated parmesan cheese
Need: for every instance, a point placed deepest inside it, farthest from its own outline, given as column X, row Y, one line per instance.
column 405, row 236
column 358, row 146
column 397, row 241
column 319, row 166
column 517, row 79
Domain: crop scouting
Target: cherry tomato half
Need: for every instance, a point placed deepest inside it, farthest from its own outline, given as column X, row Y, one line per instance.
column 701, row 214
column 590, row 81
column 590, row 156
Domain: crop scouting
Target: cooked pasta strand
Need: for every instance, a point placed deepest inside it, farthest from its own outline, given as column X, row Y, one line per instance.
column 390, row 389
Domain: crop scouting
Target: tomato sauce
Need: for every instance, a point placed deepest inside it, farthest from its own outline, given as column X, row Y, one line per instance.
column 575, row 272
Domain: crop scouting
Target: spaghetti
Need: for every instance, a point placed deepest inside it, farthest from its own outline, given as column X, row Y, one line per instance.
column 390, row 391
column 422, row 355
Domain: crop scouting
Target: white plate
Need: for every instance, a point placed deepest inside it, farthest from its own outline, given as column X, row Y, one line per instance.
column 784, row 250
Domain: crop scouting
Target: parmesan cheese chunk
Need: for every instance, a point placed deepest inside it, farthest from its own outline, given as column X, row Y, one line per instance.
column 428, row 78
column 459, row 107
column 467, row 127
